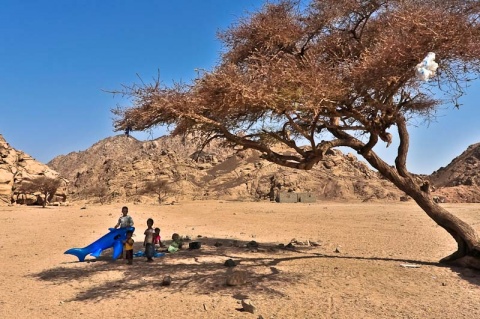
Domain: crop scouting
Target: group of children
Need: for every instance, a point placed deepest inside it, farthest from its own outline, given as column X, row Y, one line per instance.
column 152, row 241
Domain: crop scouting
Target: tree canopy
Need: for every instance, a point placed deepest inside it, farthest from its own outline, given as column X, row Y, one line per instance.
column 45, row 185
column 343, row 68
column 327, row 74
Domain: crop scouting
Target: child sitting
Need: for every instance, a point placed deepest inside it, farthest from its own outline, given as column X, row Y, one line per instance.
column 176, row 243
column 128, row 247
column 157, row 240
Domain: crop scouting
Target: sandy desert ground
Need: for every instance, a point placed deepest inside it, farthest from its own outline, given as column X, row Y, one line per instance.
column 365, row 279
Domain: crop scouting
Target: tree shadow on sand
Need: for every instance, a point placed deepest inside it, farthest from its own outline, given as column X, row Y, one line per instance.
column 468, row 274
column 201, row 271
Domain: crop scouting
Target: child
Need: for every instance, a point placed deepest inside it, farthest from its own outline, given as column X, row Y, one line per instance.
column 128, row 247
column 148, row 242
column 176, row 243
column 157, row 240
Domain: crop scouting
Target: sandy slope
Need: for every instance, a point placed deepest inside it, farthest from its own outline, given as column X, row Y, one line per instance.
column 364, row 280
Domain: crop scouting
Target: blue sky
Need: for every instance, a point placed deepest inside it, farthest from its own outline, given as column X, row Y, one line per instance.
column 58, row 56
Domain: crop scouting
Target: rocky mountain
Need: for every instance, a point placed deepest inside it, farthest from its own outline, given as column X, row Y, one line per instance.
column 463, row 170
column 17, row 167
column 121, row 168
column 459, row 181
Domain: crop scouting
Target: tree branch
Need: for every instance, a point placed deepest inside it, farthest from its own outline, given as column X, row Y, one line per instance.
column 401, row 159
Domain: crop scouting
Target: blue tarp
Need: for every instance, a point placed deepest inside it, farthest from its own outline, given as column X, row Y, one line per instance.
column 141, row 253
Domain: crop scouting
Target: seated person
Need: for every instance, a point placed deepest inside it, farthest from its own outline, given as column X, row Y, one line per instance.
column 176, row 243
column 157, row 240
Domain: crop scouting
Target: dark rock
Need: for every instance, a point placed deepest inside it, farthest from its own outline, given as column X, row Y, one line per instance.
column 167, row 280
column 248, row 306
column 230, row 263
column 252, row 244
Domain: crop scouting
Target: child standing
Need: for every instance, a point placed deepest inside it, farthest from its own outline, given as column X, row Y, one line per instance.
column 157, row 240
column 148, row 242
column 128, row 247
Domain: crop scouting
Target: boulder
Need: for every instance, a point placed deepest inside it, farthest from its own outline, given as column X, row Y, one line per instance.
column 17, row 166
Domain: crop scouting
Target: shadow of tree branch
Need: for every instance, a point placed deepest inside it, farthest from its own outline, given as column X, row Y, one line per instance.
column 201, row 271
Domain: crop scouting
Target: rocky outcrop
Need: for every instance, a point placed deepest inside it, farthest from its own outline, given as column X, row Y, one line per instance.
column 16, row 167
column 119, row 168
column 463, row 170
column 247, row 176
column 459, row 181
column 457, row 194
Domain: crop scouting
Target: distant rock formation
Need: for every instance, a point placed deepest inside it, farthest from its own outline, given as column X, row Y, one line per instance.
column 119, row 168
column 459, row 181
column 463, row 170
column 16, row 167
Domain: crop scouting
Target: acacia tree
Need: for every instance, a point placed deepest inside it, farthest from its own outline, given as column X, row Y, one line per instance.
column 99, row 190
column 158, row 187
column 45, row 185
column 332, row 73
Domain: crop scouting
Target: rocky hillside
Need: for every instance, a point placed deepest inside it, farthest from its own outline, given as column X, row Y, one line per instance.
column 459, row 181
column 16, row 167
column 121, row 168
column 463, row 170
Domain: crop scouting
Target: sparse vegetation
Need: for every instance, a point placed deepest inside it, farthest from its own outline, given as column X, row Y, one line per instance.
column 45, row 185
column 159, row 187
column 98, row 191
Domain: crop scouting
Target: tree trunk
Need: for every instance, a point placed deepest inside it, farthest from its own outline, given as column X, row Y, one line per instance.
column 45, row 200
column 468, row 250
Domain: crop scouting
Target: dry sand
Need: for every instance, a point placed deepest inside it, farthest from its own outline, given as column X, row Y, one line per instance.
column 364, row 280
